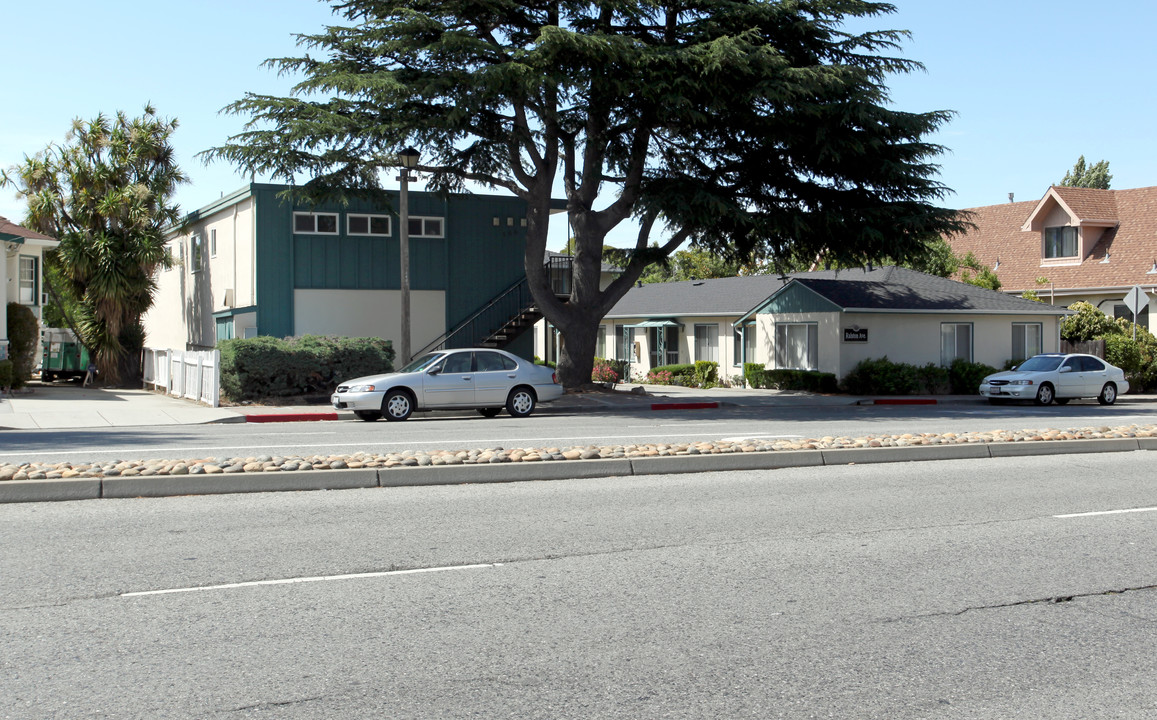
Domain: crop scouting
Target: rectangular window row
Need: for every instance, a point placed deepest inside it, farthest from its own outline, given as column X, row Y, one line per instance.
column 365, row 224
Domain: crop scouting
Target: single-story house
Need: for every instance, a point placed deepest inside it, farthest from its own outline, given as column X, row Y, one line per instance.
column 254, row 263
column 831, row 320
column 828, row 321
column 1073, row 244
column 23, row 272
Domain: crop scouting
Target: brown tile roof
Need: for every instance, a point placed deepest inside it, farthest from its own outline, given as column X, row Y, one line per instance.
column 1131, row 246
column 7, row 227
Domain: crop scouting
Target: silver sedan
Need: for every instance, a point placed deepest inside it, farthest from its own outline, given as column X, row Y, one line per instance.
column 488, row 380
column 1057, row 376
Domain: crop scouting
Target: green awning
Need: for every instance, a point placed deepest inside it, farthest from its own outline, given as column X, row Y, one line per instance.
column 655, row 323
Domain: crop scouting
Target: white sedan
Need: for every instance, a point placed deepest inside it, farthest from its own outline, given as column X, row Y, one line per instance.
column 1057, row 376
column 488, row 380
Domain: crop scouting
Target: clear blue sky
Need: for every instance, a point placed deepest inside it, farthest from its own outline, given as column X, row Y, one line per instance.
column 1035, row 84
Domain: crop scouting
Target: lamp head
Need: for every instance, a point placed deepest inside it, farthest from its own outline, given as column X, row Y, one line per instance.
column 409, row 158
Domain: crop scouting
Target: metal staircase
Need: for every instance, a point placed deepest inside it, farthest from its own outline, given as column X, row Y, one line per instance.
column 506, row 316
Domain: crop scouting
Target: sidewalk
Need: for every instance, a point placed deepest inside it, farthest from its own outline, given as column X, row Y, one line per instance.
column 57, row 406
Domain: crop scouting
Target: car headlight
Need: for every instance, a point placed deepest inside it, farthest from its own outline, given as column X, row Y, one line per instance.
column 361, row 388
column 1020, row 382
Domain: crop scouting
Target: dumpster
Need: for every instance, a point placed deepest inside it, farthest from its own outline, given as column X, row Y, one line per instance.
column 63, row 356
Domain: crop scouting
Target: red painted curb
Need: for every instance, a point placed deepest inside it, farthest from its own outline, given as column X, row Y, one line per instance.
column 684, row 406
column 290, row 417
column 906, row 401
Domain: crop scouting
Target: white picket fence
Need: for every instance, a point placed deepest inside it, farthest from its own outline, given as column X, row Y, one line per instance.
column 191, row 374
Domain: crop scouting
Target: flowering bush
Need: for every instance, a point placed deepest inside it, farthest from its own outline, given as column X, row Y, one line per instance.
column 660, row 377
column 604, row 374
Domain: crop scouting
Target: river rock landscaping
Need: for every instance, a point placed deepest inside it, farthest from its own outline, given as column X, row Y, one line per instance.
column 479, row 456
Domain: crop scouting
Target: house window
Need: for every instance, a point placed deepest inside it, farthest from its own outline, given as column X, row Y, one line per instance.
column 425, row 227
column 743, row 344
column 1060, row 242
column 1121, row 310
column 196, row 251
column 707, row 342
column 955, row 342
column 601, row 342
column 1026, row 341
column 315, row 223
column 213, row 243
column 550, row 349
column 797, row 346
column 29, row 279
column 374, row 225
column 670, row 346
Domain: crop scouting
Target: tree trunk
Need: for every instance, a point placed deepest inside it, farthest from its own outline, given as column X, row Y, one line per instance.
column 579, row 338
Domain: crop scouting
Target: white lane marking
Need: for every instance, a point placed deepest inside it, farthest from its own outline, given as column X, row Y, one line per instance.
column 319, row 578
column 1107, row 512
column 505, row 442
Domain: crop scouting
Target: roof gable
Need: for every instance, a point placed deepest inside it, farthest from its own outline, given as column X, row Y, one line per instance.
column 1084, row 207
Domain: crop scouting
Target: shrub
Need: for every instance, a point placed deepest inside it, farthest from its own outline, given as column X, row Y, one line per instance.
column 1088, row 324
column 23, row 334
column 807, row 380
column 684, row 370
column 706, row 373
column 604, row 371
column 755, row 375
column 882, row 376
column 965, row 376
column 261, row 367
column 660, row 377
column 6, row 374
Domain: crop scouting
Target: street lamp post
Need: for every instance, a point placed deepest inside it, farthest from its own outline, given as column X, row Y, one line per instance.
column 409, row 160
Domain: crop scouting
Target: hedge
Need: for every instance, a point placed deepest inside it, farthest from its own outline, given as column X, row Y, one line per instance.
column 807, row 380
column 881, row 376
column 263, row 367
column 6, row 374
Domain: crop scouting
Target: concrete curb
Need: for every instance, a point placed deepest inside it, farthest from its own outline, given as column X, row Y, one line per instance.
column 16, row 491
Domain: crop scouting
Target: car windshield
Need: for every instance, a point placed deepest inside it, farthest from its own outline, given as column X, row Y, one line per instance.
column 422, row 363
column 1040, row 363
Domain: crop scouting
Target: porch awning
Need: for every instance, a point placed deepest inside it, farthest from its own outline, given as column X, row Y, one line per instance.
column 655, row 323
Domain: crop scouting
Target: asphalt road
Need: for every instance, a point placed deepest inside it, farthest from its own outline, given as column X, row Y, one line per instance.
column 445, row 431
column 954, row 589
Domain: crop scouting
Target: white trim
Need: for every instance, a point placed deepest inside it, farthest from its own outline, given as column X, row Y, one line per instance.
column 314, row 216
column 369, row 217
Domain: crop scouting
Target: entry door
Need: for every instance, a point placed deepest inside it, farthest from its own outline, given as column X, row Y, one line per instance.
column 453, row 385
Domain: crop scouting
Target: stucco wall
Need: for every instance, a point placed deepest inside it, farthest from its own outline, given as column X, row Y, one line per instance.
column 907, row 338
column 370, row 313
column 188, row 294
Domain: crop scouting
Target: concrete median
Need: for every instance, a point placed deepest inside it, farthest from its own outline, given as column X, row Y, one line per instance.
column 503, row 472
column 219, row 484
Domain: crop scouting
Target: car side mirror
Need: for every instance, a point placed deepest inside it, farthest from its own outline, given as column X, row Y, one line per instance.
column 434, row 370
column 1066, row 369
column 1014, row 367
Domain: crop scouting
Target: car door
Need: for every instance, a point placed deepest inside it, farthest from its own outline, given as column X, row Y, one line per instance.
column 1095, row 374
column 451, row 384
column 1070, row 381
column 494, row 375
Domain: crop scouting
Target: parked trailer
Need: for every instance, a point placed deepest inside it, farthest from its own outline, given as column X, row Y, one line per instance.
column 63, row 356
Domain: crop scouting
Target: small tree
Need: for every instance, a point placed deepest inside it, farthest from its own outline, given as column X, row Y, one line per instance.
column 1092, row 176
column 1088, row 324
column 23, row 334
column 107, row 195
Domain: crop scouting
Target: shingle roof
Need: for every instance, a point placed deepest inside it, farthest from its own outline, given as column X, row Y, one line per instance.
column 881, row 288
column 901, row 289
column 1131, row 247
column 9, row 229
column 719, row 296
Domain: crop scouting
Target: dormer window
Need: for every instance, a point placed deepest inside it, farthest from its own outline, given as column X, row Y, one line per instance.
column 1060, row 242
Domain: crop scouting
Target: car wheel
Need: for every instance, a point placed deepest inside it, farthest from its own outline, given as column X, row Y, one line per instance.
column 1044, row 396
column 521, row 402
column 1062, row 401
column 397, row 405
column 367, row 415
column 489, row 412
column 1108, row 394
